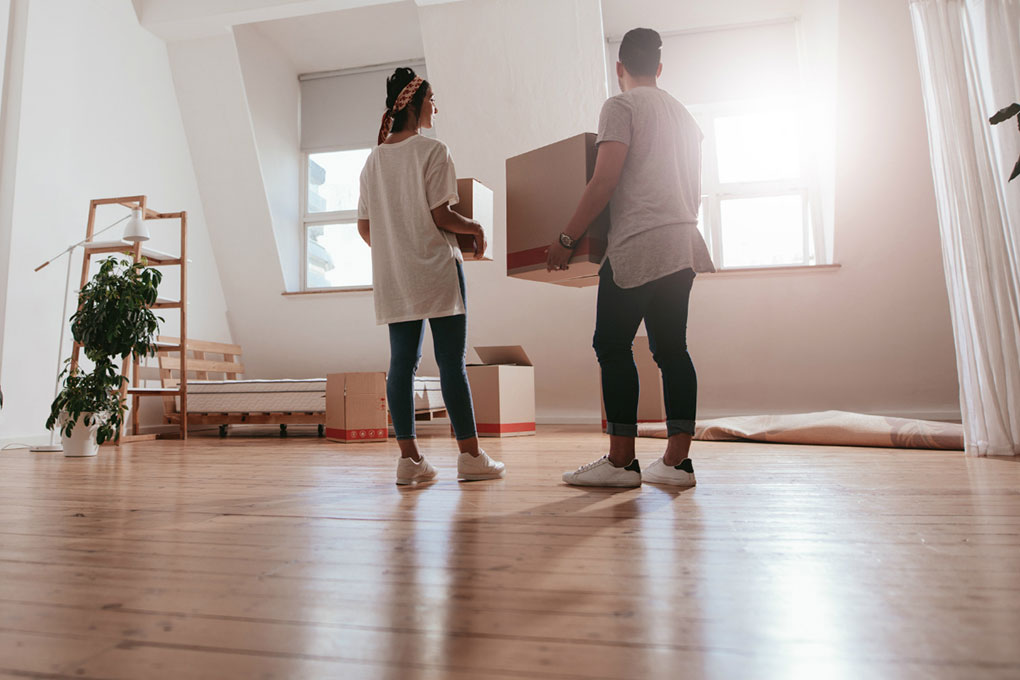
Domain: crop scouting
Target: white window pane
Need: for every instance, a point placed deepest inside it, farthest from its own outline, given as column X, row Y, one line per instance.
column 333, row 180
column 758, row 147
column 337, row 257
column 759, row 232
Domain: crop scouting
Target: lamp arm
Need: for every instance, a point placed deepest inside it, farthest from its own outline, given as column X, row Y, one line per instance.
column 84, row 240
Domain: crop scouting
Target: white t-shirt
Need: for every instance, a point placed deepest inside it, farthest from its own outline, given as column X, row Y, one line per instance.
column 654, row 210
column 414, row 263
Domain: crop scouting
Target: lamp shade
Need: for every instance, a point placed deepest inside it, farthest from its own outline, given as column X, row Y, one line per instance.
column 136, row 229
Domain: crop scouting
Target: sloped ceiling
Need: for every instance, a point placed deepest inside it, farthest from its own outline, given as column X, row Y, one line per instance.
column 363, row 36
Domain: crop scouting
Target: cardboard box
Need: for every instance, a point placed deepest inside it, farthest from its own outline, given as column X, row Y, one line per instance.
column 476, row 204
column 356, row 407
column 503, row 390
column 651, row 407
column 543, row 188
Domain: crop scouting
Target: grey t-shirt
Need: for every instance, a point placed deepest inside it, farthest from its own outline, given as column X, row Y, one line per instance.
column 654, row 210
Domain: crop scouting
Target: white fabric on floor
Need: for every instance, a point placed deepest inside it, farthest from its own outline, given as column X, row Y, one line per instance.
column 969, row 56
column 826, row 428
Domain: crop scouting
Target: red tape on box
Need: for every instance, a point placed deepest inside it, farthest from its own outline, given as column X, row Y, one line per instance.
column 503, row 428
column 533, row 256
column 356, row 435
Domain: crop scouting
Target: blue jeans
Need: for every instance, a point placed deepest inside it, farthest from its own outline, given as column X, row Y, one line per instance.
column 662, row 304
column 449, row 339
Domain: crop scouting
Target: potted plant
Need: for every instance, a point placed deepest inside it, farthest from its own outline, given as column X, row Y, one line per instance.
column 114, row 319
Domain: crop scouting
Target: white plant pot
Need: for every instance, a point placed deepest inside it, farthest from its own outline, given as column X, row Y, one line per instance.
column 82, row 441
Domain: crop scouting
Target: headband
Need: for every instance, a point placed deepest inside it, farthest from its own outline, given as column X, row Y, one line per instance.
column 403, row 99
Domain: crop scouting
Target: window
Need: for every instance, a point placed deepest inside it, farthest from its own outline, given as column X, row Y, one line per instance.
column 757, row 204
column 335, row 255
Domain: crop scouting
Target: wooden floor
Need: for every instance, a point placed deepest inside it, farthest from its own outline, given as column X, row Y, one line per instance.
column 256, row 557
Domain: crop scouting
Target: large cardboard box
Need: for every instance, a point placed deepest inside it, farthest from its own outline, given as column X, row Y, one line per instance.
column 543, row 188
column 651, row 407
column 475, row 203
column 356, row 407
column 503, row 390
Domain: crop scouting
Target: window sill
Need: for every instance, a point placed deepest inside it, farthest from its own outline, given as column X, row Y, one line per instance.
column 327, row 291
column 791, row 269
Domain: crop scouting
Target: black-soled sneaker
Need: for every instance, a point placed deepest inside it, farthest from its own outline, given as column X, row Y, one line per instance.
column 675, row 475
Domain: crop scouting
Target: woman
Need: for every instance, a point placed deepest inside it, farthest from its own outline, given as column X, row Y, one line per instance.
column 407, row 187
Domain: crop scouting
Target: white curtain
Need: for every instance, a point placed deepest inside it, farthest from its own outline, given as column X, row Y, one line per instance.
column 969, row 55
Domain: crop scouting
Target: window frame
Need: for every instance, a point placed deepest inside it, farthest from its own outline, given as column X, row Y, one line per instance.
column 714, row 192
column 323, row 218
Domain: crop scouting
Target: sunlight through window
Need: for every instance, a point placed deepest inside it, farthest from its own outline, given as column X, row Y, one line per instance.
column 334, row 179
column 759, row 147
column 338, row 257
column 763, row 231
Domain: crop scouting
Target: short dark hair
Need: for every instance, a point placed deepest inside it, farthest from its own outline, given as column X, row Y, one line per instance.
column 394, row 85
column 640, row 51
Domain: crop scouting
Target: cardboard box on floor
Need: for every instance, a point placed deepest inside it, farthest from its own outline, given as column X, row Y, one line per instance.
column 543, row 188
column 503, row 390
column 356, row 407
column 651, row 407
column 476, row 204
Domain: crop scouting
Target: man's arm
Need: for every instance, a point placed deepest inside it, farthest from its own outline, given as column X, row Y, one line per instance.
column 363, row 230
column 608, row 167
column 448, row 220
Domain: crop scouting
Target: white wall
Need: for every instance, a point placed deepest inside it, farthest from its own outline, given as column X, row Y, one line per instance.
column 12, row 56
column 873, row 336
column 98, row 118
column 507, row 99
column 303, row 336
column 274, row 100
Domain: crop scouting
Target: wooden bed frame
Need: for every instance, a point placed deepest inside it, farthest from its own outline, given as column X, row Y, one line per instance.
column 225, row 364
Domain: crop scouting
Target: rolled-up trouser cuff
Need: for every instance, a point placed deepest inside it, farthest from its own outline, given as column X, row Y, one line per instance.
column 621, row 429
column 679, row 427
column 467, row 436
column 405, row 436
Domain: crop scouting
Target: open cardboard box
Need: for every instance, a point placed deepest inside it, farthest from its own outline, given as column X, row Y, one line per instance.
column 543, row 188
column 475, row 203
column 503, row 390
column 651, row 407
column 356, row 407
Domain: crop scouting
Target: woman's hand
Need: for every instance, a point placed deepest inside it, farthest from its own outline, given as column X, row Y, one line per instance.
column 480, row 243
column 558, row 258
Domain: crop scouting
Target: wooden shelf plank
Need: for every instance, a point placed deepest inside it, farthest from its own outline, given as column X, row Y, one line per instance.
column 153, row 391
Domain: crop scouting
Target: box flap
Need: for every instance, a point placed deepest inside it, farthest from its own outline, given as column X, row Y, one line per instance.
column 505, row 355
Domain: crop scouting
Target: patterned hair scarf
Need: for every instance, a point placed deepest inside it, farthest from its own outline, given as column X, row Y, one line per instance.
column 403, row 99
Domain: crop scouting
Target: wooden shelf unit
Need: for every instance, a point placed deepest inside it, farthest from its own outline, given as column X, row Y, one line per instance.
column 152, row 258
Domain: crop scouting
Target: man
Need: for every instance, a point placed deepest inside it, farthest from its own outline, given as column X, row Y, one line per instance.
column 648, row 169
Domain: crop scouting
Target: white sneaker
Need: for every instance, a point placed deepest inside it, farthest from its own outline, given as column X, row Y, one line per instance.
column 409, row 471
column 473, row 468
column 604, row 473
column 678, row 475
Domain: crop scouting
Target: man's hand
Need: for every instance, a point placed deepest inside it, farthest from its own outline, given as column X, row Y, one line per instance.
column 558, row 258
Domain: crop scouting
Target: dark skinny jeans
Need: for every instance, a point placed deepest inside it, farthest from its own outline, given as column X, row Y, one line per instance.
column 449, row 340
column 662, row 304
